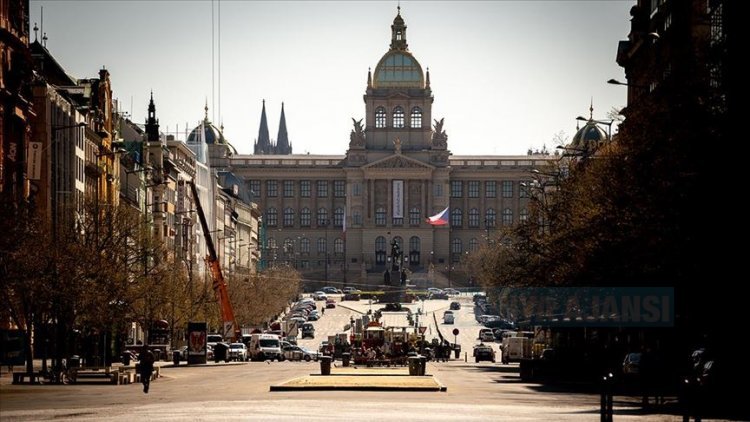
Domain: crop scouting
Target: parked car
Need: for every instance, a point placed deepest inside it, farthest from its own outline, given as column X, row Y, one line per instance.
column 331, row 290
column 238, row 352
column 451, row 292
column 300, row 353
column 483, row 352
column 319, row 295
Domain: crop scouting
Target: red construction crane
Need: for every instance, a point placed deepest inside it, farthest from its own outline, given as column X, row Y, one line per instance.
column 220, row 286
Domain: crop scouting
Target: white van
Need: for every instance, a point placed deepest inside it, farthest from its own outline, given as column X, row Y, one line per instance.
column 448, row 317
column 265, row 346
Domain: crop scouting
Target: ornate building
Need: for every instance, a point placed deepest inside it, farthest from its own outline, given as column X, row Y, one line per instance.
column 16, row 69
column 334, row 217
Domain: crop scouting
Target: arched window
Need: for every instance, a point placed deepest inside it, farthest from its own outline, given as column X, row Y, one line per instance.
column 473, row 218
column 473, row 244
column 398, row 117
column 288, row 217
column 491, row 218
column 524, row 215
column 338, row 246
column 272, row 218
column 322, row 245
column 415, row 246
column 380, row 216
column 380, row 250
column 304, row 245
column 380, row 117
column 457, row 217
column 288, row 246
column 415, row 216
column 322, row 217
column 305, row 217
column 507, row 217
column 338, row 217
column 416, row 118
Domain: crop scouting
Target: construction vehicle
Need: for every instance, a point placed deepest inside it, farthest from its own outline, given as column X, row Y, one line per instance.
column 231, row 328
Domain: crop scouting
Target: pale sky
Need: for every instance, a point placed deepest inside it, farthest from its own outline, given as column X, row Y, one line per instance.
column 505, row 75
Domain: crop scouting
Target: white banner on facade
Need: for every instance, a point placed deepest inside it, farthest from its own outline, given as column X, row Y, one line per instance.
column 398, row 199
column 34, row 163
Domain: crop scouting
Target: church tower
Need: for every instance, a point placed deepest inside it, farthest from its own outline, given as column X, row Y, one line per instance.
column 263, row 143
column 283, row 147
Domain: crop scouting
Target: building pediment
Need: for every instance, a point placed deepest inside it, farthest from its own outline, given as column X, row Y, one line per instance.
column 398, row 161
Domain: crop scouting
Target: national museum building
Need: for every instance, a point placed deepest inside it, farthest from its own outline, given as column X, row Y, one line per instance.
column 335, row 217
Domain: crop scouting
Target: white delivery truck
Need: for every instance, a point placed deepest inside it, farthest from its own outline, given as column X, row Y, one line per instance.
column 516, row 348
column 265, row 346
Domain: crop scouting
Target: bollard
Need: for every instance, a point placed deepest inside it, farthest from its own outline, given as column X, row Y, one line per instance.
column 345, row 357
column 325, row 365
column 606, row 410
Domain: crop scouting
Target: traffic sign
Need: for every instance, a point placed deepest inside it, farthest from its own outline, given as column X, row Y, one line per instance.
column 455, row 331
column 422, row 330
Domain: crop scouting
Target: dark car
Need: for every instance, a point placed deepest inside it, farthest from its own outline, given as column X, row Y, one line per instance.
column 484, row 352
column 455, row 306
column 308, row 330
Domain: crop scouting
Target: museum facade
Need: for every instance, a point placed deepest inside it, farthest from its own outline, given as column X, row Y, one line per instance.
column 337, row 217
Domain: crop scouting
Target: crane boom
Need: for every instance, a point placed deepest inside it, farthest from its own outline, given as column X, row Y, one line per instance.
column 219, row 285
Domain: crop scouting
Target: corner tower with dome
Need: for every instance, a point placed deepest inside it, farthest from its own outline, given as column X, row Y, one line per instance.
column 209, row 145
column 335, row 217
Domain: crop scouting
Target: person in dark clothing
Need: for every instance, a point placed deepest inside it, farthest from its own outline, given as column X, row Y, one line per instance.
column 146, row 367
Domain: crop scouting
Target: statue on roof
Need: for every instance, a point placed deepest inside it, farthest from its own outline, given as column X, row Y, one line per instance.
column 439, row 137
column 357, row 136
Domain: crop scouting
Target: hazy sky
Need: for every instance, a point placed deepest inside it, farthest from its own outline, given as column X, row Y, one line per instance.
column 505, row 75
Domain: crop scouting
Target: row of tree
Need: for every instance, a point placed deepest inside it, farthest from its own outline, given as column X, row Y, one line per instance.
column 104, row 273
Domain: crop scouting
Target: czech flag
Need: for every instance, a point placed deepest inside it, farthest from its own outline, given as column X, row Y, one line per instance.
column 439, row 219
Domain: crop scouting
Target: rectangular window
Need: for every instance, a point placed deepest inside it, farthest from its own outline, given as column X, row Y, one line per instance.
column 322, row 188
column 490, row 189
column 255, row 188
column 474, row 189
column 288, row 188
column 339, row 188
column 272, row 188
column 456, row 189
column 304, row 188
column 357, row 189
column 438, row 190
column 380, row 217
column 507, row 188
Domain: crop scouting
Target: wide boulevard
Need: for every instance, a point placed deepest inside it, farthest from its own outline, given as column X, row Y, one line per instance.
column 240, row 391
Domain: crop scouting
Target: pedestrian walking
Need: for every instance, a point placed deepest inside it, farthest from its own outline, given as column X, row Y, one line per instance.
column 146, row 367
